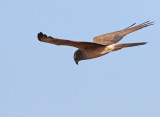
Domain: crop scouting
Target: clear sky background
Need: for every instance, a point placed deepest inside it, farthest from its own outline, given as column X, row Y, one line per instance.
column 42, row 80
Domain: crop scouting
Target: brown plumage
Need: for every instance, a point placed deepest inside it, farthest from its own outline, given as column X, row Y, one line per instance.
column 101, row 45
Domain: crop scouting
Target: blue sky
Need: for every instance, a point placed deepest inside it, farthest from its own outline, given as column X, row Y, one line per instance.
column 41, row 80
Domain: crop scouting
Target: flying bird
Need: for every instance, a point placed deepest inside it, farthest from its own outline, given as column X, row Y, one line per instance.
column 100, row 46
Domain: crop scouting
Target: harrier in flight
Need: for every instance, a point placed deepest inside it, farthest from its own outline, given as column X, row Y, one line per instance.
column 100, row 46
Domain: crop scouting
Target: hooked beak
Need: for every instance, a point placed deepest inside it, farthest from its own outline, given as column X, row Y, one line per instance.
column 76, row 62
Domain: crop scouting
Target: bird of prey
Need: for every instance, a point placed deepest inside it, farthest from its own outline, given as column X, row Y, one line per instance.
column 100, row 46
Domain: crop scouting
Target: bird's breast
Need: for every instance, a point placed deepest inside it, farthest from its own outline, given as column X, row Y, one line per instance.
column 97, row 52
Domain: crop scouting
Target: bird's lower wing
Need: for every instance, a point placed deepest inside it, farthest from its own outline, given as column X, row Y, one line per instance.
column 115, row 37
column 78, row 44
column 125, row 45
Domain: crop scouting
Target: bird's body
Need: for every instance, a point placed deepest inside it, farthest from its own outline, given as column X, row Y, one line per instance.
column 93, row 52
column 100, row 46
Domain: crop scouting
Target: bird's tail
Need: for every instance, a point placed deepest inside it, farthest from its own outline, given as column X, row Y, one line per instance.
column 125, row 45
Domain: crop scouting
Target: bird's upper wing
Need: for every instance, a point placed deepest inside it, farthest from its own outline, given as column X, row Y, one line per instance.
column 78, row 44
column 115, row 37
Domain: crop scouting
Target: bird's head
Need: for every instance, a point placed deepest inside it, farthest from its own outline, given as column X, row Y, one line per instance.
column 78, row 55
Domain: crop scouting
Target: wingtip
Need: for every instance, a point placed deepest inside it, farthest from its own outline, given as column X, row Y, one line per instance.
column 144, row 43
column 41, row 36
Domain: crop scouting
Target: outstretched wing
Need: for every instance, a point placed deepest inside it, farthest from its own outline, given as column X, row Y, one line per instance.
column 78, row 44
column 115, row 37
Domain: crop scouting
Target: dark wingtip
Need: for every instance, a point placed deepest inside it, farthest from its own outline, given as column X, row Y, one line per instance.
column 41, row 36
column 144, row 43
